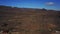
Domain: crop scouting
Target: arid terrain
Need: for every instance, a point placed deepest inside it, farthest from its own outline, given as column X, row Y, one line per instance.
column 15, row 20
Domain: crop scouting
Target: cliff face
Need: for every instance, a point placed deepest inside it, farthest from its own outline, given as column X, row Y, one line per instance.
column 29, row 21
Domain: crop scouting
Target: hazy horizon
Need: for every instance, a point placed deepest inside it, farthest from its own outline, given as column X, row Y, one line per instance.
column 47, row 4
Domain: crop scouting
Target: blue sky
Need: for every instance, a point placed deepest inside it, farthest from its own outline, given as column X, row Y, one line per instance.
column 48, row 4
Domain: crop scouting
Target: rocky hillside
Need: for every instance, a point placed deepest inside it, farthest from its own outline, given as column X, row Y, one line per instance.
column 32, row 21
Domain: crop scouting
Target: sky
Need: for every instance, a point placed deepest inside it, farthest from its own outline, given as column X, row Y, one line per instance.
column 47, row 4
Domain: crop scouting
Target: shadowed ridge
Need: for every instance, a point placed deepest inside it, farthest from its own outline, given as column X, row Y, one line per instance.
column 1, row 6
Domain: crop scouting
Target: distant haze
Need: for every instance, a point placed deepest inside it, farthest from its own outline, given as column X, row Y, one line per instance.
column 48, row 4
